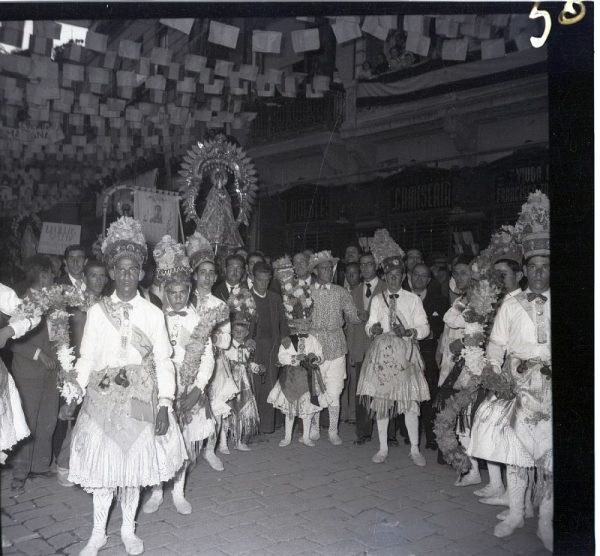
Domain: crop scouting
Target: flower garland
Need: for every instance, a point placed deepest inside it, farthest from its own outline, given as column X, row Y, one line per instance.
column 297, row 301
column 479, row 312
column 243, row 302
column 209, row 317
column 53, row 302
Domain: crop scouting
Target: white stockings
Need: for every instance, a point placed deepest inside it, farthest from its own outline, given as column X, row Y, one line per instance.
column 334, row 417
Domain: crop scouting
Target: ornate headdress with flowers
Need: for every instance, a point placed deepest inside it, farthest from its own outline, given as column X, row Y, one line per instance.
column 533, row 225
column 283, row 269
column 242, row 307
column 198, row 249
column 172, row 264
column 124, row 238
column 504, row 244
column 322, row 257
column 298, row 305
column 386, row 251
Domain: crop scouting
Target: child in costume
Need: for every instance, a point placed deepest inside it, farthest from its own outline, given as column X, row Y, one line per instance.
column 189, row 333
column 126, row 436
column 221, row 387
column 299, row 384
column 244, row 420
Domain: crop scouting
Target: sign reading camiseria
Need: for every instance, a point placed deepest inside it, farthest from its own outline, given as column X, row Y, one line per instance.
column 422, row 191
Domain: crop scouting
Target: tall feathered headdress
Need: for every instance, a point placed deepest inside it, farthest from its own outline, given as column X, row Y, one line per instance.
column 533, row 225
column 198, row 249
column 124, row 238
column 383, row 246
column 172, row 264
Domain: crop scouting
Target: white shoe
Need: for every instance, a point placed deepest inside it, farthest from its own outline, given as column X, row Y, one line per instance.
column 224, row 449
column 503, row 514
column 489, row 491
column 335, row 439
column 242, row 447
column 133, row 544
column 63, row 477
column 379, row 457
column 95, row 543
column 213, row 461
column 284, row 442
column 545, row 533
column 501, row 500
column 508, row 526
column 306, row 441
column 471, row 478
column 153, row 503
column 5, row 542
column 417, row 457
column 314, row 434
column 181, row 504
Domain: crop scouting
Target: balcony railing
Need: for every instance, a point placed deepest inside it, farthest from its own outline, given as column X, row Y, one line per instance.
column 279, row 118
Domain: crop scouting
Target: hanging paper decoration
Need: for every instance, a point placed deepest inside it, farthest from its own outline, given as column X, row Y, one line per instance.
column 181, row 24
column 305, row 40
column 225, row 35
column 219, row 160
column 268, row 42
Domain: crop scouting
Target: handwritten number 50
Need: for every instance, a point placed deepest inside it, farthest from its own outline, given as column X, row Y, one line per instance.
column 563, row 19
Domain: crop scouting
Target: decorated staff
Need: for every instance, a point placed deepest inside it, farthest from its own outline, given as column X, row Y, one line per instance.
column 300, row 384
column 126, row 435
column 392, row 380
column 189, row 332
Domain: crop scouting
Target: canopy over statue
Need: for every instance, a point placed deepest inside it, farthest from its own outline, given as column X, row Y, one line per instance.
column 215, row 162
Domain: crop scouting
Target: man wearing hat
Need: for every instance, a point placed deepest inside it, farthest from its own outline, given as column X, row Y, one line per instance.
column 333, row 306
column 126, row 435
column 392, row 380
column 520, row 344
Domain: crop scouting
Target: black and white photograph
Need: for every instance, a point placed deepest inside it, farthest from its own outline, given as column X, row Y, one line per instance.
column 275, row 278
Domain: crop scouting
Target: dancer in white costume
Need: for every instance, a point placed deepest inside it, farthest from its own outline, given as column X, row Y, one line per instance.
column 193, row 358
column 392, row 379
column 13, row 426
column 221, row 387
column 126, row 435
column 507, row 261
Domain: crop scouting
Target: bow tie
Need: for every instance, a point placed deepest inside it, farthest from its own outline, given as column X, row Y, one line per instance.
column 180, row 313
column 393, row 296
column 533, row 296
column 124, row 306
column 323, row 286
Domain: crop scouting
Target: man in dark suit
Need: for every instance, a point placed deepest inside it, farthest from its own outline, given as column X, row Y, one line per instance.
column 75, row 260
column 435, row 306
column 270, row 331
column 35, row 370
column 235, row 266
column 358, row 341
column 351, row 255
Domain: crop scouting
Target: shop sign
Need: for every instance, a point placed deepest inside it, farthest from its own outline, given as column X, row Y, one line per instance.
column 33, row 134
column 301, row 209
column 514, row 185
column 422, row 192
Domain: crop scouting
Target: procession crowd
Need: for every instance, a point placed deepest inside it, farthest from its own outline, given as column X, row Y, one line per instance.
column 176, row 355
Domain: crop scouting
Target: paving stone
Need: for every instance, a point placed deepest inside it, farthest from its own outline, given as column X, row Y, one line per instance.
column 62, row 540
column 295, row 547
column 345, row 548
column 242, row 546
column 36, row 547
column 416, row 531
column 237, row 506
column 440, row 506
column 39, row 522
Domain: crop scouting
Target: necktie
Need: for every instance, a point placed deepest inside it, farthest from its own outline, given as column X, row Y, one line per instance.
column 393, row 297
column 180, row 313
column 368, row 294
column 125, row 307
column 533, row 296
column 323, row 286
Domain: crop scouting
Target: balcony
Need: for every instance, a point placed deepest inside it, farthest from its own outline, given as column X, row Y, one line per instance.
column 282, row 118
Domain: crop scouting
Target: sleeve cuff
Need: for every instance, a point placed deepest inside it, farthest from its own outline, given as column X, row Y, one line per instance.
column 165, row 402
column 37, row 354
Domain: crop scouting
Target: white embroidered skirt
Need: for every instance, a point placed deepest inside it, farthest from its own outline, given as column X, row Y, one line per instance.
column 13, row 426
column 113, row 443
column 221, row 387
column 391, row 378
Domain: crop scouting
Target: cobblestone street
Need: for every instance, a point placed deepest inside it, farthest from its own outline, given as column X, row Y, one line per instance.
column 295, row 500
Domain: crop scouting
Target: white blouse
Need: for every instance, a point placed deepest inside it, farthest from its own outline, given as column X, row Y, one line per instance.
column 409, row 309
column 100, row 345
